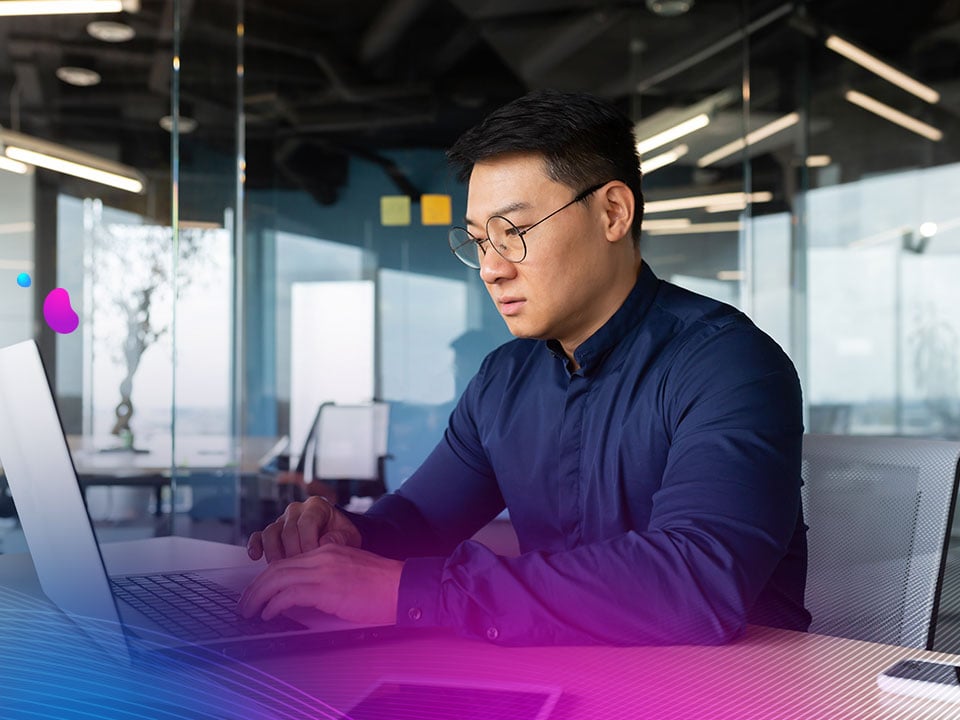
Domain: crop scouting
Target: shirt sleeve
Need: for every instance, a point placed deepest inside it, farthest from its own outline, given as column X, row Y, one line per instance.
column 721, row 522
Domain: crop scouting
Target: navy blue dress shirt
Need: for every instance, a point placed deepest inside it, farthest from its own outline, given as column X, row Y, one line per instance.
column 655, row 491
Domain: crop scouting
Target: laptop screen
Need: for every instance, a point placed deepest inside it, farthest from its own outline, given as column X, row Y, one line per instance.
column 43, row 481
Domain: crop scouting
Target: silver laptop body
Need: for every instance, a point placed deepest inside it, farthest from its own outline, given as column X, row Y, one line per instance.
column 66, row 555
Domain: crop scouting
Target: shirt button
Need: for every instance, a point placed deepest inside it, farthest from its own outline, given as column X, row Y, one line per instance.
column 492, row 633
column 414, row 614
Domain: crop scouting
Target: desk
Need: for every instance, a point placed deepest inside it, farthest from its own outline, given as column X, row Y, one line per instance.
column 219, row 457
column 766, row 674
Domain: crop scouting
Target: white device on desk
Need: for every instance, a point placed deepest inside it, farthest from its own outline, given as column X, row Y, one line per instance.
column 932, row 680
column 67, row 558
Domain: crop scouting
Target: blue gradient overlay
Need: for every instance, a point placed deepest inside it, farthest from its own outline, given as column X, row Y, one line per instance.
column 51, row 667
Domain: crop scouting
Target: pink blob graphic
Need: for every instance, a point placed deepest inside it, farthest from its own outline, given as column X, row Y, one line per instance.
column 58, row 313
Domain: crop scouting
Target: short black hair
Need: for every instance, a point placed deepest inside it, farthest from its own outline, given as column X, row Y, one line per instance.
column 583, row 140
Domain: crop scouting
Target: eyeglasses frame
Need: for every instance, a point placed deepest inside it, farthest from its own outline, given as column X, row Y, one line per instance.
column 582, row 195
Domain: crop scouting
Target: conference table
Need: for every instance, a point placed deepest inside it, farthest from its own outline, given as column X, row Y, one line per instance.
column 222, row 464
column 767, row 673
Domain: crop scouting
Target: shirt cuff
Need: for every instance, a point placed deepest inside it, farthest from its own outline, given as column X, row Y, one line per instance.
column 418, row 599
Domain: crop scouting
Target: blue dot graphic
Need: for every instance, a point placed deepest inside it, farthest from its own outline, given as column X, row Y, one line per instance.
column 23, row 280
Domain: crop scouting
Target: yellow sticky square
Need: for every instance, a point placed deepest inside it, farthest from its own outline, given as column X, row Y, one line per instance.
column 436, row 210
column 394, row 210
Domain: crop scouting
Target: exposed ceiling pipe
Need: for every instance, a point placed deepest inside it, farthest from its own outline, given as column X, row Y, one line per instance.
column 689, row 61
column 564, row 43
column 394, row 19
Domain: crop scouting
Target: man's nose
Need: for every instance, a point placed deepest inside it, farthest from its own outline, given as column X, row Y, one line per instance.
column 493, row 266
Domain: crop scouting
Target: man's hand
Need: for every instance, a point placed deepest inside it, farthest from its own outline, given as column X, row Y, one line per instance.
column 353, row 584
column 304, row 526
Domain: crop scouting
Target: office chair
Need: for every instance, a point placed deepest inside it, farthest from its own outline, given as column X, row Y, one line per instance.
column 879, row 511
column 346, row 447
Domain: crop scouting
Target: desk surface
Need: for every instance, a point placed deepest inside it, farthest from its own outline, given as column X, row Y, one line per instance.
column 205, row 452
column 766, row 674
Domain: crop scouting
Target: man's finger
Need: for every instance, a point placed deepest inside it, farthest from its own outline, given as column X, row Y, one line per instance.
column 301, row 595
column 255, row 546
column 272, row 544
column 290, row 536
column 311, row 525
column 336, row 537
column 270, row 582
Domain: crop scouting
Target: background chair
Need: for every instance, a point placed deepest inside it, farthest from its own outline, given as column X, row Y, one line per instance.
column 346, row 448
column 879, row 511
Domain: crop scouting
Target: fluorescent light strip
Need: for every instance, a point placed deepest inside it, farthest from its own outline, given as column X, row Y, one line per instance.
column 700, row 201
column 817, row 161
column 726, row 207
column 14, row 228
column 878, row 67
column 697, row 122
column 21, row 265
column 664, row 159
column 667, row 224
column 697, row 228
column 76, row 169
column 730, row 275
column 752, row 138
column 10, row 8
column 13, row 166
column 894, row 116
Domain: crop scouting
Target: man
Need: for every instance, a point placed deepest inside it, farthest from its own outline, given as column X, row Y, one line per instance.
column 646, row 440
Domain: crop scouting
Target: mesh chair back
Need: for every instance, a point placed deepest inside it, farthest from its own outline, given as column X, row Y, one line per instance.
column 879, row 511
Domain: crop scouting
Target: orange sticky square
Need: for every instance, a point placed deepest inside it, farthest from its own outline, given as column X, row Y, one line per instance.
column 436, row 210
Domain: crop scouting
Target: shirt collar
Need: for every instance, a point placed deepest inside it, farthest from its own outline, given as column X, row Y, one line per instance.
column 592, row 351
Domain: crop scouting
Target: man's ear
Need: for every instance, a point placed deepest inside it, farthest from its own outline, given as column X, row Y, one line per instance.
column 618, row 206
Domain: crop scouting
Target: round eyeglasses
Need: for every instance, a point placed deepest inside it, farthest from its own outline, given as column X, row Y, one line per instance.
column 502, row 235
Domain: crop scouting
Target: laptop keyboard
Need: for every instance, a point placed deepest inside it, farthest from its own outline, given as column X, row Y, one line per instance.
column 193, row 607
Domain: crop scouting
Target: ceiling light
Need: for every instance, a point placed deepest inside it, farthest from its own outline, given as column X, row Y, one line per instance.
column 13, row 166
column 894, row 116
column 928, row 229
column 674, row 133
column 13, row 229
column 700, row 201
column 730, row 275
column 59, row 158
column 76, row 169
column 79, row 76
column 10, row 8
column 186, row 125
column 697, row 228
column 109, row 31
column 878, row 67
column 669, row 8
column 665, row 224
column 659, row 161
column 816, row 161
column 727, row 207
column 752, row 138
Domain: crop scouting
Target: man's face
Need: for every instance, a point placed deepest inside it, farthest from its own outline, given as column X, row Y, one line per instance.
column 561, row 289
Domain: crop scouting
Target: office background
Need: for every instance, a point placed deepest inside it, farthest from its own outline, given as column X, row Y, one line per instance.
column 284, row 148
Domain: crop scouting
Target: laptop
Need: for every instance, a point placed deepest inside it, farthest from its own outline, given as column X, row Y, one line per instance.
column 150, row 612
